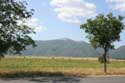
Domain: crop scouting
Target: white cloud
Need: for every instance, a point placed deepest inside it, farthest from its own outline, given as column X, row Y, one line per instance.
column 34, row 23
column 71, row 10
column 117, row 5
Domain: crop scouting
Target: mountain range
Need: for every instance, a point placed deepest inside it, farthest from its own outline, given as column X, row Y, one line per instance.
column 69, row 48
column 119, row 53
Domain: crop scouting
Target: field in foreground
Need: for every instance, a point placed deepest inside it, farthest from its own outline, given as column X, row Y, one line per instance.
column 58, row 66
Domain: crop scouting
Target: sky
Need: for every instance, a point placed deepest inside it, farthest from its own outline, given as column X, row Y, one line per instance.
column 56, row 19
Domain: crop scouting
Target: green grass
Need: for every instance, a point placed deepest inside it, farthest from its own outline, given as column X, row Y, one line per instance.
column 33, row 63
column 79, row 67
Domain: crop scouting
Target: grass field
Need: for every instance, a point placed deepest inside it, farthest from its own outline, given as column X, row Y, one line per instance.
column 76, row 67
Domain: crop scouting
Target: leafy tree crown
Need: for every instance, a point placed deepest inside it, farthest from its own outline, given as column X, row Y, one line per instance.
column 104, row 30
column 13, row 35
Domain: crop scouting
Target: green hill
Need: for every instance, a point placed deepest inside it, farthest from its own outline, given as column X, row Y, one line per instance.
column 119, row 53
column 69, row 48
column 61, row 47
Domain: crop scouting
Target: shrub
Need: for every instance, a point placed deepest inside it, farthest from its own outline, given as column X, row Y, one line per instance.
column 101, row 59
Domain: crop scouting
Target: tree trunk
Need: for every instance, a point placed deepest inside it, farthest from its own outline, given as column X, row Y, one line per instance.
column 105, row 61
column 1, row 56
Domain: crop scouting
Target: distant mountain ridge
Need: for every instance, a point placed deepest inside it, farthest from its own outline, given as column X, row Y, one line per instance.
column 119, row 53
column 69, row 48
column 61, row 47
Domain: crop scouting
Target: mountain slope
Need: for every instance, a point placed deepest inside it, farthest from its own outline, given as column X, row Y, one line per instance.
column 119, row 53
column 61, row 47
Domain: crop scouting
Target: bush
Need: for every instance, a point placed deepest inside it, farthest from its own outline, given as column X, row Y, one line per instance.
column 101, row 59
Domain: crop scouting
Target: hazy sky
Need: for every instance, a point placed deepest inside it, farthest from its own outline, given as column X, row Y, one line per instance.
column 54, row 19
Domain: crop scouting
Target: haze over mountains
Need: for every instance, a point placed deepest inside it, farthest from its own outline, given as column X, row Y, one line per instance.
column 119, row 53
column 68, row 48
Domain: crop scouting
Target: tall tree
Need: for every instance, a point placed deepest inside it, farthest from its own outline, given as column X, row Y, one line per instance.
column 14, row 33
column 103, row 31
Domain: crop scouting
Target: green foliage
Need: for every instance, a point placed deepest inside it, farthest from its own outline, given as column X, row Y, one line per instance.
column 104, row 30
column 12, row 35
column 101, row 59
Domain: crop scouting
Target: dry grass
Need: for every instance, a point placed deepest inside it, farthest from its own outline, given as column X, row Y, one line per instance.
column 10, row 67
column 62, row 72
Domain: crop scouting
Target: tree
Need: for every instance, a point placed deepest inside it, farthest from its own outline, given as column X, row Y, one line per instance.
column 14, row 33
column 103, row 31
